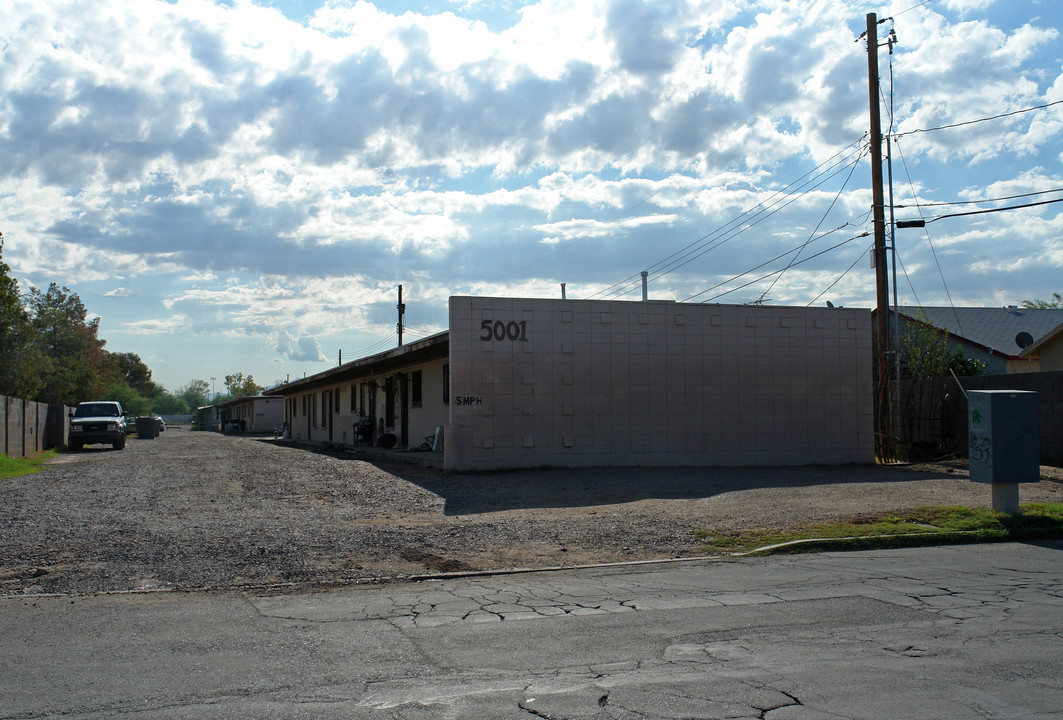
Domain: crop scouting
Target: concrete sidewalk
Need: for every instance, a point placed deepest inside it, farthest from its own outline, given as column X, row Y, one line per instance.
column 951, row 632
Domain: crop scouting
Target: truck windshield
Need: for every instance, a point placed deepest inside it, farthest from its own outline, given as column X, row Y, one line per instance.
column 96, row 410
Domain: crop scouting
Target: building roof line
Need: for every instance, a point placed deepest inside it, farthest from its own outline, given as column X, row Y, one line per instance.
column 426, row 348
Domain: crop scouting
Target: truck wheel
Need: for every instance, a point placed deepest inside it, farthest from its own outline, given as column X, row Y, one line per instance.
column 118, row 444
column 76, row 446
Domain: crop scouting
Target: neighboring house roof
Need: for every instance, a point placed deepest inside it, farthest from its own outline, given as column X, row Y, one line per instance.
column 996, row 329
column 1042, row 341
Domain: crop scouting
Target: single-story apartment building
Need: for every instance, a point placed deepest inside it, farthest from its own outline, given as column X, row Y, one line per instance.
column 251, row 414
column 538, row 382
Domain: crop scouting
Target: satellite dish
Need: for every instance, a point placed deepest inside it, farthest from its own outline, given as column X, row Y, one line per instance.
column 1024, row 340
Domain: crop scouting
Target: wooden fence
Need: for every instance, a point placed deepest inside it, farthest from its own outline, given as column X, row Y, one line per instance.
column 28, row 427
column 933, row 413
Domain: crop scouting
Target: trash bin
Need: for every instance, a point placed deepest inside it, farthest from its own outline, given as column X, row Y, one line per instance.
column 147, row 428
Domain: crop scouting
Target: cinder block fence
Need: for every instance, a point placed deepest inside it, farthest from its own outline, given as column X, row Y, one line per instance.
column 28, row 427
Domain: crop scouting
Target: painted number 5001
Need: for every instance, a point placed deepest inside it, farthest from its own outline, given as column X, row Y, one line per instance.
column 499, row 331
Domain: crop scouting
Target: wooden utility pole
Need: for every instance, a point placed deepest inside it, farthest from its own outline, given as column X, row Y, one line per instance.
column 402, row 312
column 882, row 429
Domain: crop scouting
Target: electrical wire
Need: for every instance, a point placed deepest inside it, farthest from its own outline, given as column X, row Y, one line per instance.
column 984, row 200
column 839, row 278
column 979, row 120
column 774, row 272
column 813, row 235
column 641, row 202
column 930, row 242
column 382, row 343
column 918, row 302
column 751, row 217
column 914, row 7
column 625, row 286
column 994, row 210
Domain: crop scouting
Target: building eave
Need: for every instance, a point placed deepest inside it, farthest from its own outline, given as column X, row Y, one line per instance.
column 434, row 347
column 1035, row 349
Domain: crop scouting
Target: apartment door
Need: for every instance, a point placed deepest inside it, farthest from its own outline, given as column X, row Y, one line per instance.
column 404, row 407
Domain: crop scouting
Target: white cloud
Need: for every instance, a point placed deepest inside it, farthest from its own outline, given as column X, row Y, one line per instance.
column 301, row 349
column 261, row 186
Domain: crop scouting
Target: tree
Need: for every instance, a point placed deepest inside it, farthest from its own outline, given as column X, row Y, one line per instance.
column 76, row 366
column 239, row 386
column 194, row 393
column 1056, row 303
column 136, row 374
column 167, row 404
column 925, row 353
column 133, row 403
column 20, row 360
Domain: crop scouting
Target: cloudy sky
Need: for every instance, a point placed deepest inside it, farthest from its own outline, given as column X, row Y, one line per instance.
column 242, row 186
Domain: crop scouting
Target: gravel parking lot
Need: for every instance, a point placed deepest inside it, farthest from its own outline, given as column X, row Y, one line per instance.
column 206, row 511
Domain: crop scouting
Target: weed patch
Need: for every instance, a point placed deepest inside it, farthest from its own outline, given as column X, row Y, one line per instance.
column 931, row 525
column 14, row 467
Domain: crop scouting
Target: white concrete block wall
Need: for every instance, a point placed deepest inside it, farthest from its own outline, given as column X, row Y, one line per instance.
column 580, row 383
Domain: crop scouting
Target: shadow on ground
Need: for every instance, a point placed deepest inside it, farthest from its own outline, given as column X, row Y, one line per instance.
column 476, row 493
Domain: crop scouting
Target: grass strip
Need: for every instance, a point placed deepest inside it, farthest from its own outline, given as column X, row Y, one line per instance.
column 928, row 525
column 14, row 467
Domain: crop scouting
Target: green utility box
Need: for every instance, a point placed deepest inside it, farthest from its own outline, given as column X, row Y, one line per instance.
column 1003, row 442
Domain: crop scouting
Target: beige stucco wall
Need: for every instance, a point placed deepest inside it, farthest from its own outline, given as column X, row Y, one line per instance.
column 584, row 383
column 1052, row 354
column 259, row 415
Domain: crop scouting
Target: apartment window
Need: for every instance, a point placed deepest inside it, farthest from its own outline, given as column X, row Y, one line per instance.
column 354, row 405
column 336, row 401
column 415, row 389
column 313, row 408
column 446, row 384
column 304, row 405
column 326, row 401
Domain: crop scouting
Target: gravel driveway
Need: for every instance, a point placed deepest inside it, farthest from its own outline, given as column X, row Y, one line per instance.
column 206, row 511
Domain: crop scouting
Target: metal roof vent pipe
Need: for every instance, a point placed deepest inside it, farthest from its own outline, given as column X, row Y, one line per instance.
column 645, row 286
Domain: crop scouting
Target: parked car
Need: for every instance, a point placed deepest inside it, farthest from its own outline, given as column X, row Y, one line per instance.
column 100, row 421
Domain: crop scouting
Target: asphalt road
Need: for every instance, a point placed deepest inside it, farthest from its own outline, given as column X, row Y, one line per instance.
column 951, row 632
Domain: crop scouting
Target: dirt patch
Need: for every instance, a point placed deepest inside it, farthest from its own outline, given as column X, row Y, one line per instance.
column 201, row 510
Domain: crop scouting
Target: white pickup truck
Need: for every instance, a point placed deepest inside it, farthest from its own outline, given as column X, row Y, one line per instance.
column 100, row 421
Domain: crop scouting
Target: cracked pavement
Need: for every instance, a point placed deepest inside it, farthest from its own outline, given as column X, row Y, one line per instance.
column 949, row 632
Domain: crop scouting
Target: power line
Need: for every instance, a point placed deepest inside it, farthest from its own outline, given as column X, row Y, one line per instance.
column 914, row 7
column 979, row 120
column 775, row 272
column 810, row 237
column 752, row 217
column 930, row 242
column 790, row 200
column 984, row 200
column 995, row 210
column 839, row 278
